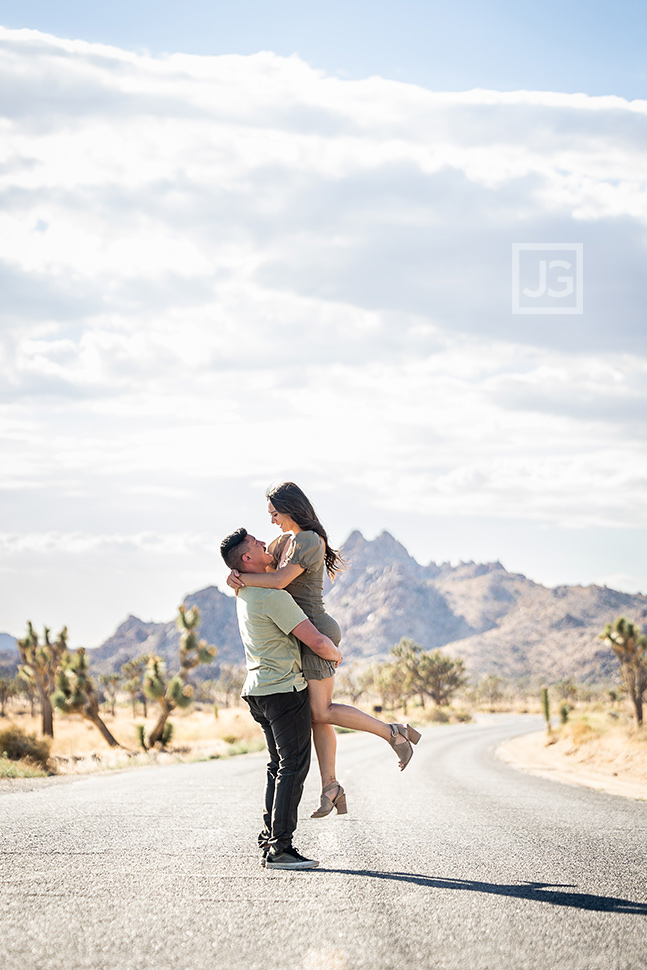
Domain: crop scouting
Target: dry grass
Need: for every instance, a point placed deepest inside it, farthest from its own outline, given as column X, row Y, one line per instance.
column 577, row 733
column 515, row 705
column 78, row 747
column 431, row 714
column 20, row 769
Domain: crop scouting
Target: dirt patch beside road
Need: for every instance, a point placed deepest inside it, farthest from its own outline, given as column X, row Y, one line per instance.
column 608, row 763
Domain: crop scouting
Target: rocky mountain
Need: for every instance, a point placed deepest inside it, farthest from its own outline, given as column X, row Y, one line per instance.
column 384, row 594
column 498, row 622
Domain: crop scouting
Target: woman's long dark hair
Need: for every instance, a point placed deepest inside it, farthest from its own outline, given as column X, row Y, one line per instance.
column 288, row 499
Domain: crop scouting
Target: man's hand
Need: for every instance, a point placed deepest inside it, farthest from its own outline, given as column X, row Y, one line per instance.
column 318, row 643
column 234, row 580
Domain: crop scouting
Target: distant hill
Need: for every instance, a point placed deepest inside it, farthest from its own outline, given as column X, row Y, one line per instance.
column 134, row 637
column 499, row 622
column 9, row 656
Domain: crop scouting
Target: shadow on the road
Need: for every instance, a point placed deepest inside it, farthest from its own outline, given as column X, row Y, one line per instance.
column 538, row 892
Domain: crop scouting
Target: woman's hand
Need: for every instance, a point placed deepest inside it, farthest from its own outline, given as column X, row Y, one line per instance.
column 337, row 662
column 234, row 580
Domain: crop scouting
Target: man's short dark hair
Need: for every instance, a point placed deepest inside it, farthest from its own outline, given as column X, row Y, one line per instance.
column 230, row 548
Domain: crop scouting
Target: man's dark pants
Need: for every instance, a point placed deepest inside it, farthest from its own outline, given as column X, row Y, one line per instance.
column 285, row 720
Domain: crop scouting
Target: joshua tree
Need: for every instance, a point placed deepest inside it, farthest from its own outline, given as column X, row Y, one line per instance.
column 76, row 694
column 565, row 690
column 545, row 706
column 206, row 691
column 630, row 647
column 427, row 674
column 40, row 663
column 407, row 656
column 26, row 687
column 354, row 684
column 231, row 678
column 392, row 684
column 440, row 677
column 176, row 691
column 490, row 688
column 110, row 684
column 7, row 690
column 133, row 671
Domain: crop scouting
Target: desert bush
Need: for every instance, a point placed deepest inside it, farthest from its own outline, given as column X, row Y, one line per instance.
column 579, row 731
column 16, row 745
column 439, row 716
column 461, row 716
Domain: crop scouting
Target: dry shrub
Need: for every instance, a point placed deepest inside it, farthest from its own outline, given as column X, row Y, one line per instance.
column 578, row 732
column 16, row 745
column 439, row 716
column 461, row 716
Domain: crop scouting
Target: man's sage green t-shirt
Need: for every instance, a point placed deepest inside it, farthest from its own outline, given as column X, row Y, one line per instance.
column 272, row 655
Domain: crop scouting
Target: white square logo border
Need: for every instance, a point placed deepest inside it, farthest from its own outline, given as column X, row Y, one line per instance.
column 577, row 277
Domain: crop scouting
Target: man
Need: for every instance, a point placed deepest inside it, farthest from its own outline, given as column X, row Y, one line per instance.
column 270, row 624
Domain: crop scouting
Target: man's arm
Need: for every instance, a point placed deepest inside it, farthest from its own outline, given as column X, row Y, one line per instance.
column 275, row 579
column 318, row 643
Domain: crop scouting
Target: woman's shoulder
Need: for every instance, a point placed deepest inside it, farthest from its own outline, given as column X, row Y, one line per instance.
column 307, row 549
column 308, row 540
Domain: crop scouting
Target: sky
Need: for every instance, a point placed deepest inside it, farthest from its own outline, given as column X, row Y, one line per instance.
column 242, row 244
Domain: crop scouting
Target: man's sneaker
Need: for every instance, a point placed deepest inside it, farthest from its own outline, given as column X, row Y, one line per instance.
column 289, row 859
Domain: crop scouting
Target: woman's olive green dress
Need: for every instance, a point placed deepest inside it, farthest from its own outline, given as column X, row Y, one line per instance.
column 306, row 549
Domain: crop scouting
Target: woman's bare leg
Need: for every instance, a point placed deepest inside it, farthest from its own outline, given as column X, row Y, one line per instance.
column 325, row 712
column 323, row 734
column 325, row 741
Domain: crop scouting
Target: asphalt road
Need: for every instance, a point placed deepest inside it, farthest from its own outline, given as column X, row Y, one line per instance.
column 458, row 862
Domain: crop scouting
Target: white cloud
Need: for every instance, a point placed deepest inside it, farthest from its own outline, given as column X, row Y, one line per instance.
column 72, row 543
column 231, row 269
column 87, row 581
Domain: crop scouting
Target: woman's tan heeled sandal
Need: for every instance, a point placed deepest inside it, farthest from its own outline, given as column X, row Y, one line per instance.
column 404, row 750
column 327, row 804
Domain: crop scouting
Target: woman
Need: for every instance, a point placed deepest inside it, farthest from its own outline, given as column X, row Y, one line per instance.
column 300, row 559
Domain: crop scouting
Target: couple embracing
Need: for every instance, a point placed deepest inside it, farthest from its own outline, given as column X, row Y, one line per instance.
column 291, row 653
